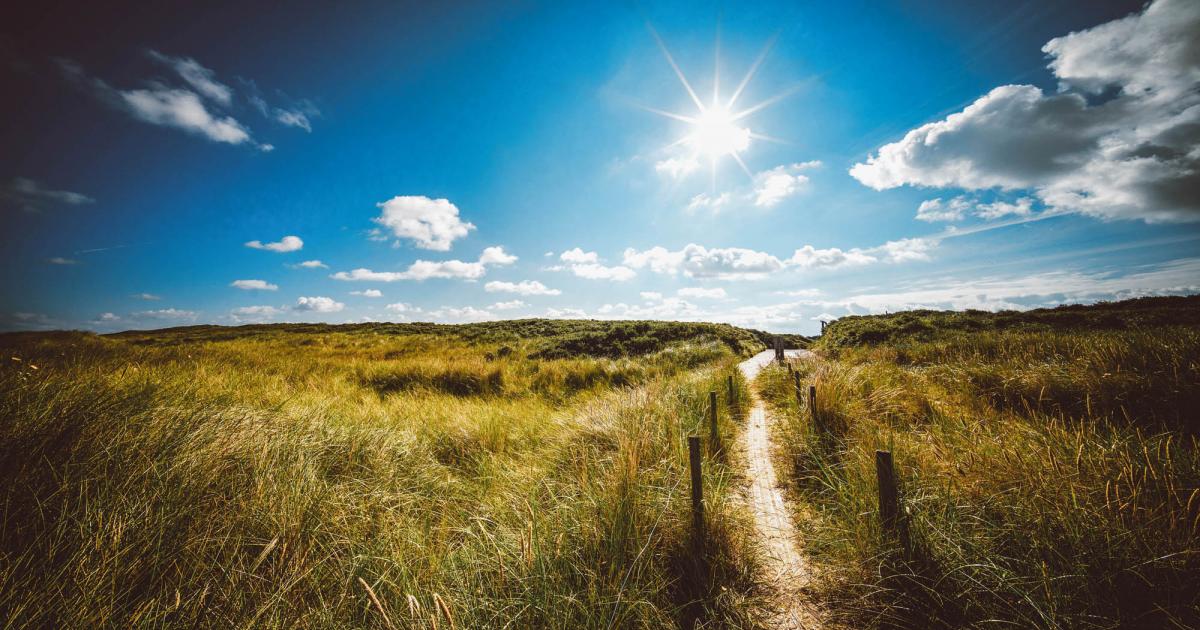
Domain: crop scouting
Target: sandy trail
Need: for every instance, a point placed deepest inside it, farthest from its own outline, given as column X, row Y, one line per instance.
column 785, row 565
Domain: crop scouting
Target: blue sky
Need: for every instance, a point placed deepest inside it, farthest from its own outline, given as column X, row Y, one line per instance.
column 482, row 161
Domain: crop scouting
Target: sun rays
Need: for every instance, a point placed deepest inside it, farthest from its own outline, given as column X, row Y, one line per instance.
column 717, row 129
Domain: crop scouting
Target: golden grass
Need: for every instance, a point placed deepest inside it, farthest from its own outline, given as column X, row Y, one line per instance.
column 1049, row 479
column 272, row 482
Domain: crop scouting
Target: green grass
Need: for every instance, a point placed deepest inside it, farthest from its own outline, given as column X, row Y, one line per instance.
column 365, row 476
column 1049, row 474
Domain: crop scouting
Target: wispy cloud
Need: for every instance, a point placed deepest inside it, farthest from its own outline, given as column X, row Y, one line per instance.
column 426, row 269
column 31, row 196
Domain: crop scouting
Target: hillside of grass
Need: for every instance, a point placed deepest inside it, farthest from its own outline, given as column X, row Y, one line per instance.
column 541, row 338
column 370, row 476
column 926, row 325
column 1048, row 465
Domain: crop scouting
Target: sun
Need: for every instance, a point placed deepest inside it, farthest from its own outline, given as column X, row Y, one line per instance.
column 716, row 130
column 716, row 134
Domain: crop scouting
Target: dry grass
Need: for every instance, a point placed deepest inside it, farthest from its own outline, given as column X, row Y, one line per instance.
column 1049, row 479
column 358, row 479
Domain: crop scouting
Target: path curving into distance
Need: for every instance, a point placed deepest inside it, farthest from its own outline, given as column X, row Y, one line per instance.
column 784, row 564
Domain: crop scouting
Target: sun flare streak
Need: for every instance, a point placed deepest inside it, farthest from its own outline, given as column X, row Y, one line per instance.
column 716, row 130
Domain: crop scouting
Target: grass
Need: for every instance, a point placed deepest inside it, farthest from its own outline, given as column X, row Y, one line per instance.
column 366, row 476
column 1049, row 474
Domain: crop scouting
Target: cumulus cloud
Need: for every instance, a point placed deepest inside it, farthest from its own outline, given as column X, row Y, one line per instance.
column 935, row 209
column 166, row 314
column 677, row 167
column 254, row 285
column 701, row 293
column 253, row 314
column 588, row 265
column 460, row 315
column 425, row 269
column 402, row 307
column 108, row 318
column 507, row 306
column 524, row 287
column 566, row 313
column 735, row 263
column 32, row 197
column 701, row 262
column 318, row 304
column 311, row 264
column 371, row 293
column 430, row 223
column 283, row 245
column 1120, row 140
column 997, row 209
column 651, row 296
column 779, row 183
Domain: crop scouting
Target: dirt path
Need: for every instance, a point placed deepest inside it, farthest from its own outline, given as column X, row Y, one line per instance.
column 784, row 563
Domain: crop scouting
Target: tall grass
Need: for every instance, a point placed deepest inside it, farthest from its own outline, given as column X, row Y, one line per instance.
column 281, row 480
column 1048, row 479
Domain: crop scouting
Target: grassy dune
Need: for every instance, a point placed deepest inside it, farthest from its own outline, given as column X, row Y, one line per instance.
column 1048, row 471
column 370, row 476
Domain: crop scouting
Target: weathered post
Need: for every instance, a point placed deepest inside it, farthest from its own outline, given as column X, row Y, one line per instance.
column 779, row 349
column 796, row 380
column 812, row 400
column 697, row 488
column 732, row 391
column 889, row 505
column 823, row 322
column 790, row 370
column 714, row 436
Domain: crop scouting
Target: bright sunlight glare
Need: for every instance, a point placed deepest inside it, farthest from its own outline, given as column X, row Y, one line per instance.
column 716, row 135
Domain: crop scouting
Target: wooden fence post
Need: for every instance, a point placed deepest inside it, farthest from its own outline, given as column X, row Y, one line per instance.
column 812, row 400
column 714, row 436
column 697, row 487
column 732, row 391
column 889, row 505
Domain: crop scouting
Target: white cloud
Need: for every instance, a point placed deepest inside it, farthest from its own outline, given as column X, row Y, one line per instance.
column 108, row 317
column 995, row 210
column 425, row 269
column 254, row 285
column 803, row 293
column 651, row 296
column 705, row 201
column 59, row 260
column 701, row 262
column 587, row 265
column 936, row 210
column 430, row 223
column 162, row 105
column 402, row 307
column 1130, row 154
column 496, row 256
column 525, row 287
column 459, row 315
column 565, row 313
column 312, row 264
column 253, row 314
column 677, row 167
column 32, row 197
column 699, row 292
column 578, row 256
column 318, row 304
column 285, row 244
column 166, row 314
column 779, row 183
column 371, row 293
column 149, row 297
column 668, row 309
column 200, row 78
column 507, row 306
column 809, row 257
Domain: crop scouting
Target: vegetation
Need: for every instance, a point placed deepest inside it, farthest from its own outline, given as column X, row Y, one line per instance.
column 1048, row 464
column 379, row 476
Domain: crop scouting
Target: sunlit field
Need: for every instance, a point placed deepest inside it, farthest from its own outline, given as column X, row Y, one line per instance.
column 1048, row 466
column 521, row 474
